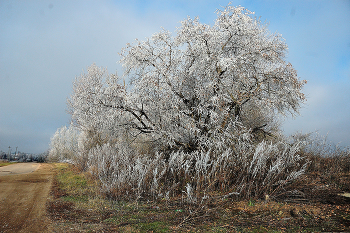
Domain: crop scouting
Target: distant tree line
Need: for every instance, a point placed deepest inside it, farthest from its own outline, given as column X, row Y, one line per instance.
column 23, row 157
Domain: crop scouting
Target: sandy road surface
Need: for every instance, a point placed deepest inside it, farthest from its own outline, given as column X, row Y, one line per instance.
column 23, row 198
column 18, row 168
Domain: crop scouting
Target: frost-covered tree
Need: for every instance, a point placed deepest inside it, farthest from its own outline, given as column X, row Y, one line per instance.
column 204, row 99
column 187, row 89
column 64, row 144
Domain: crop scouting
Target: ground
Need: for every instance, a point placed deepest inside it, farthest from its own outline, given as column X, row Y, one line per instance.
column 60, row 198
column 75, row 207
column 23, row 196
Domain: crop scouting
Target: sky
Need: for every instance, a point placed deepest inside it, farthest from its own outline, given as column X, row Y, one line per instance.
column 45, row 44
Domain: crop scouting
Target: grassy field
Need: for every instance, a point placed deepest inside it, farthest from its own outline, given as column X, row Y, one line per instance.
column 3, row 163
column 77, row 205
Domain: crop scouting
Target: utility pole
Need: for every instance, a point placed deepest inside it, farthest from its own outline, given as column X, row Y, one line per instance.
column 9, row 154
column 16, row 151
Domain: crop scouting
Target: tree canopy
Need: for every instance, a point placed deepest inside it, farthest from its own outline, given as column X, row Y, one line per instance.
column 196, row 112
column 187, row 89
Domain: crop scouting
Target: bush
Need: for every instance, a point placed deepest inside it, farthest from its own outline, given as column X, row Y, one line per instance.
column 246, row 169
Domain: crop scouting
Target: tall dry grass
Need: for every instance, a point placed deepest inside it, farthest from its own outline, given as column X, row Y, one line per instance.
column 246, row 170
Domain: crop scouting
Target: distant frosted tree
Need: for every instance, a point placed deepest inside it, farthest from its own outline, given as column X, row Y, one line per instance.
column 64, row 144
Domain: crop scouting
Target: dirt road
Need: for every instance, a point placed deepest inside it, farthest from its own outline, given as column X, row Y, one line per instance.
column 23, row 197
column 18, row 168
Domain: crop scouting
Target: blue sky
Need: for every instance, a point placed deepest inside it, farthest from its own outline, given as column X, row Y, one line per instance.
column 44, row 45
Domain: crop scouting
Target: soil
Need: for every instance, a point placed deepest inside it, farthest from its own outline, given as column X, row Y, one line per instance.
column 23, row 198
column 66, row 217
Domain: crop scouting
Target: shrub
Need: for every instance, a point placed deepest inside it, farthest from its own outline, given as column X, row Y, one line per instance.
column 247, row 169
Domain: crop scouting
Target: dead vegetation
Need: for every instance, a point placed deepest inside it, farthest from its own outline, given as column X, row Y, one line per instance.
column 312, row 203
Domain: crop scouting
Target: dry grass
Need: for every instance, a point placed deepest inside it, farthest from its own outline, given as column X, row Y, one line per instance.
column 78, row 206
column 310, row 203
